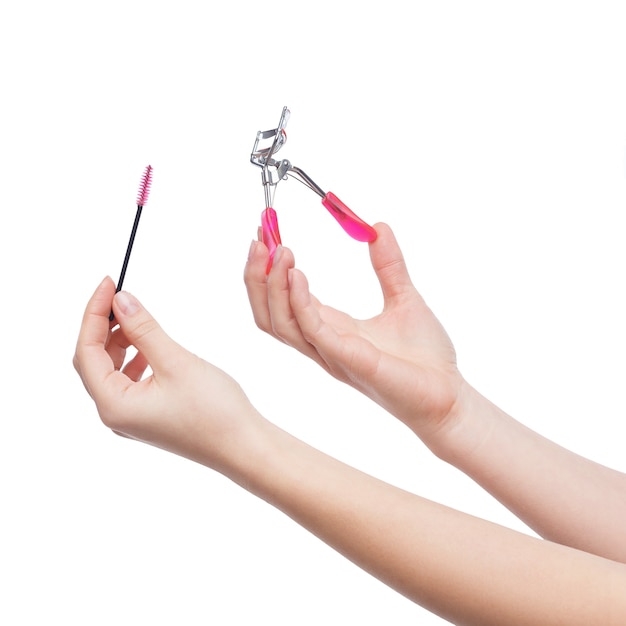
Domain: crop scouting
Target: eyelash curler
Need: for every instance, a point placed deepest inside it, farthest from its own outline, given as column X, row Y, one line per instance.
column 273, row 171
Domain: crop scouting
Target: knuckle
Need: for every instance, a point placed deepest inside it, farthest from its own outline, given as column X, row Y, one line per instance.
column 110, row 416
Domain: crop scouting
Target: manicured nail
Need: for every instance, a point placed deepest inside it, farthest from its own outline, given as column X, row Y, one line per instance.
column 277, row 254
column 127, row 303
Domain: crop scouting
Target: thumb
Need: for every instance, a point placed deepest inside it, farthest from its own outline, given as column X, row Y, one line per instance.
column 143, row 331
column 388, row 263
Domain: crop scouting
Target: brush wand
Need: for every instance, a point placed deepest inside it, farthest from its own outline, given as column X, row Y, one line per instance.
column 142, row 198
column 129, row 249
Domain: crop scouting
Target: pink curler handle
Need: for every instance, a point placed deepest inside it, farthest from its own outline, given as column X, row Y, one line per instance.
column 349, row 221
column 270, row 234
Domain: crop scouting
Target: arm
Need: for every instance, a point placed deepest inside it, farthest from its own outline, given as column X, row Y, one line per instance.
column 404, row 360
column 463, row 568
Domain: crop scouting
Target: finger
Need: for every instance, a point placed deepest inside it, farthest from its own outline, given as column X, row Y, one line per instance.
column 255, row 280
column 91, row 360
column 143, row 332
column 136, row 367
column 333, row 349
column 116, row 346
column 285, row 325
column 388, row 263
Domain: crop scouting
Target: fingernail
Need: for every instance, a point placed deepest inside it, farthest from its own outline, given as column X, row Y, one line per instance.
column 127, row 303
column 277, row 254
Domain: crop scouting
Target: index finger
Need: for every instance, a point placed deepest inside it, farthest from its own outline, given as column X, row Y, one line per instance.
column 255, row 279
column 91, row 360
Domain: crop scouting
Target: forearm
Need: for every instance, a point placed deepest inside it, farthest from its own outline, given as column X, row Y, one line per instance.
column 463, row 568
column 561, row 495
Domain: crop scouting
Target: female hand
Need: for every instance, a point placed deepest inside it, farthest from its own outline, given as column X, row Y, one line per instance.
column 186, row 405
column 402, row 358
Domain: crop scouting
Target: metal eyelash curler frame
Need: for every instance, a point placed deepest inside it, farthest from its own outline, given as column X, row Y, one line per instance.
column 274, row 171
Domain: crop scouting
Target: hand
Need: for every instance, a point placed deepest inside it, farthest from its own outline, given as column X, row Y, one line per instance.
column 402, row 358
column 186, row 405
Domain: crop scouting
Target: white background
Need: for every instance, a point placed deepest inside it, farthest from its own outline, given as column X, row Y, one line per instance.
column 491, row 136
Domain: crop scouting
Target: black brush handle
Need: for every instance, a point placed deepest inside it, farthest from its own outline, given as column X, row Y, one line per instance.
column 129, row 249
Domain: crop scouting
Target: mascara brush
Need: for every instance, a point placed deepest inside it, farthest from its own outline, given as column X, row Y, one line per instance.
column 142, row 199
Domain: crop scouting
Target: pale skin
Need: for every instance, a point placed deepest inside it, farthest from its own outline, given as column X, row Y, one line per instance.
column 466, row 569
column 403, row 360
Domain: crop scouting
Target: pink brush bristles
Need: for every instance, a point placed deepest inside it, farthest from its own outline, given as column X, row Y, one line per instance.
column 144, row 187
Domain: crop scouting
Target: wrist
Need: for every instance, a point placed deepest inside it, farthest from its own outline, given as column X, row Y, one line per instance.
column 465, row 429
column 251, row 451
column 277, row 467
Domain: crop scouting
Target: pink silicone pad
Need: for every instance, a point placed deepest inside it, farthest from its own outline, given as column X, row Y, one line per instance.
column 349, row 221
column 270, row 233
